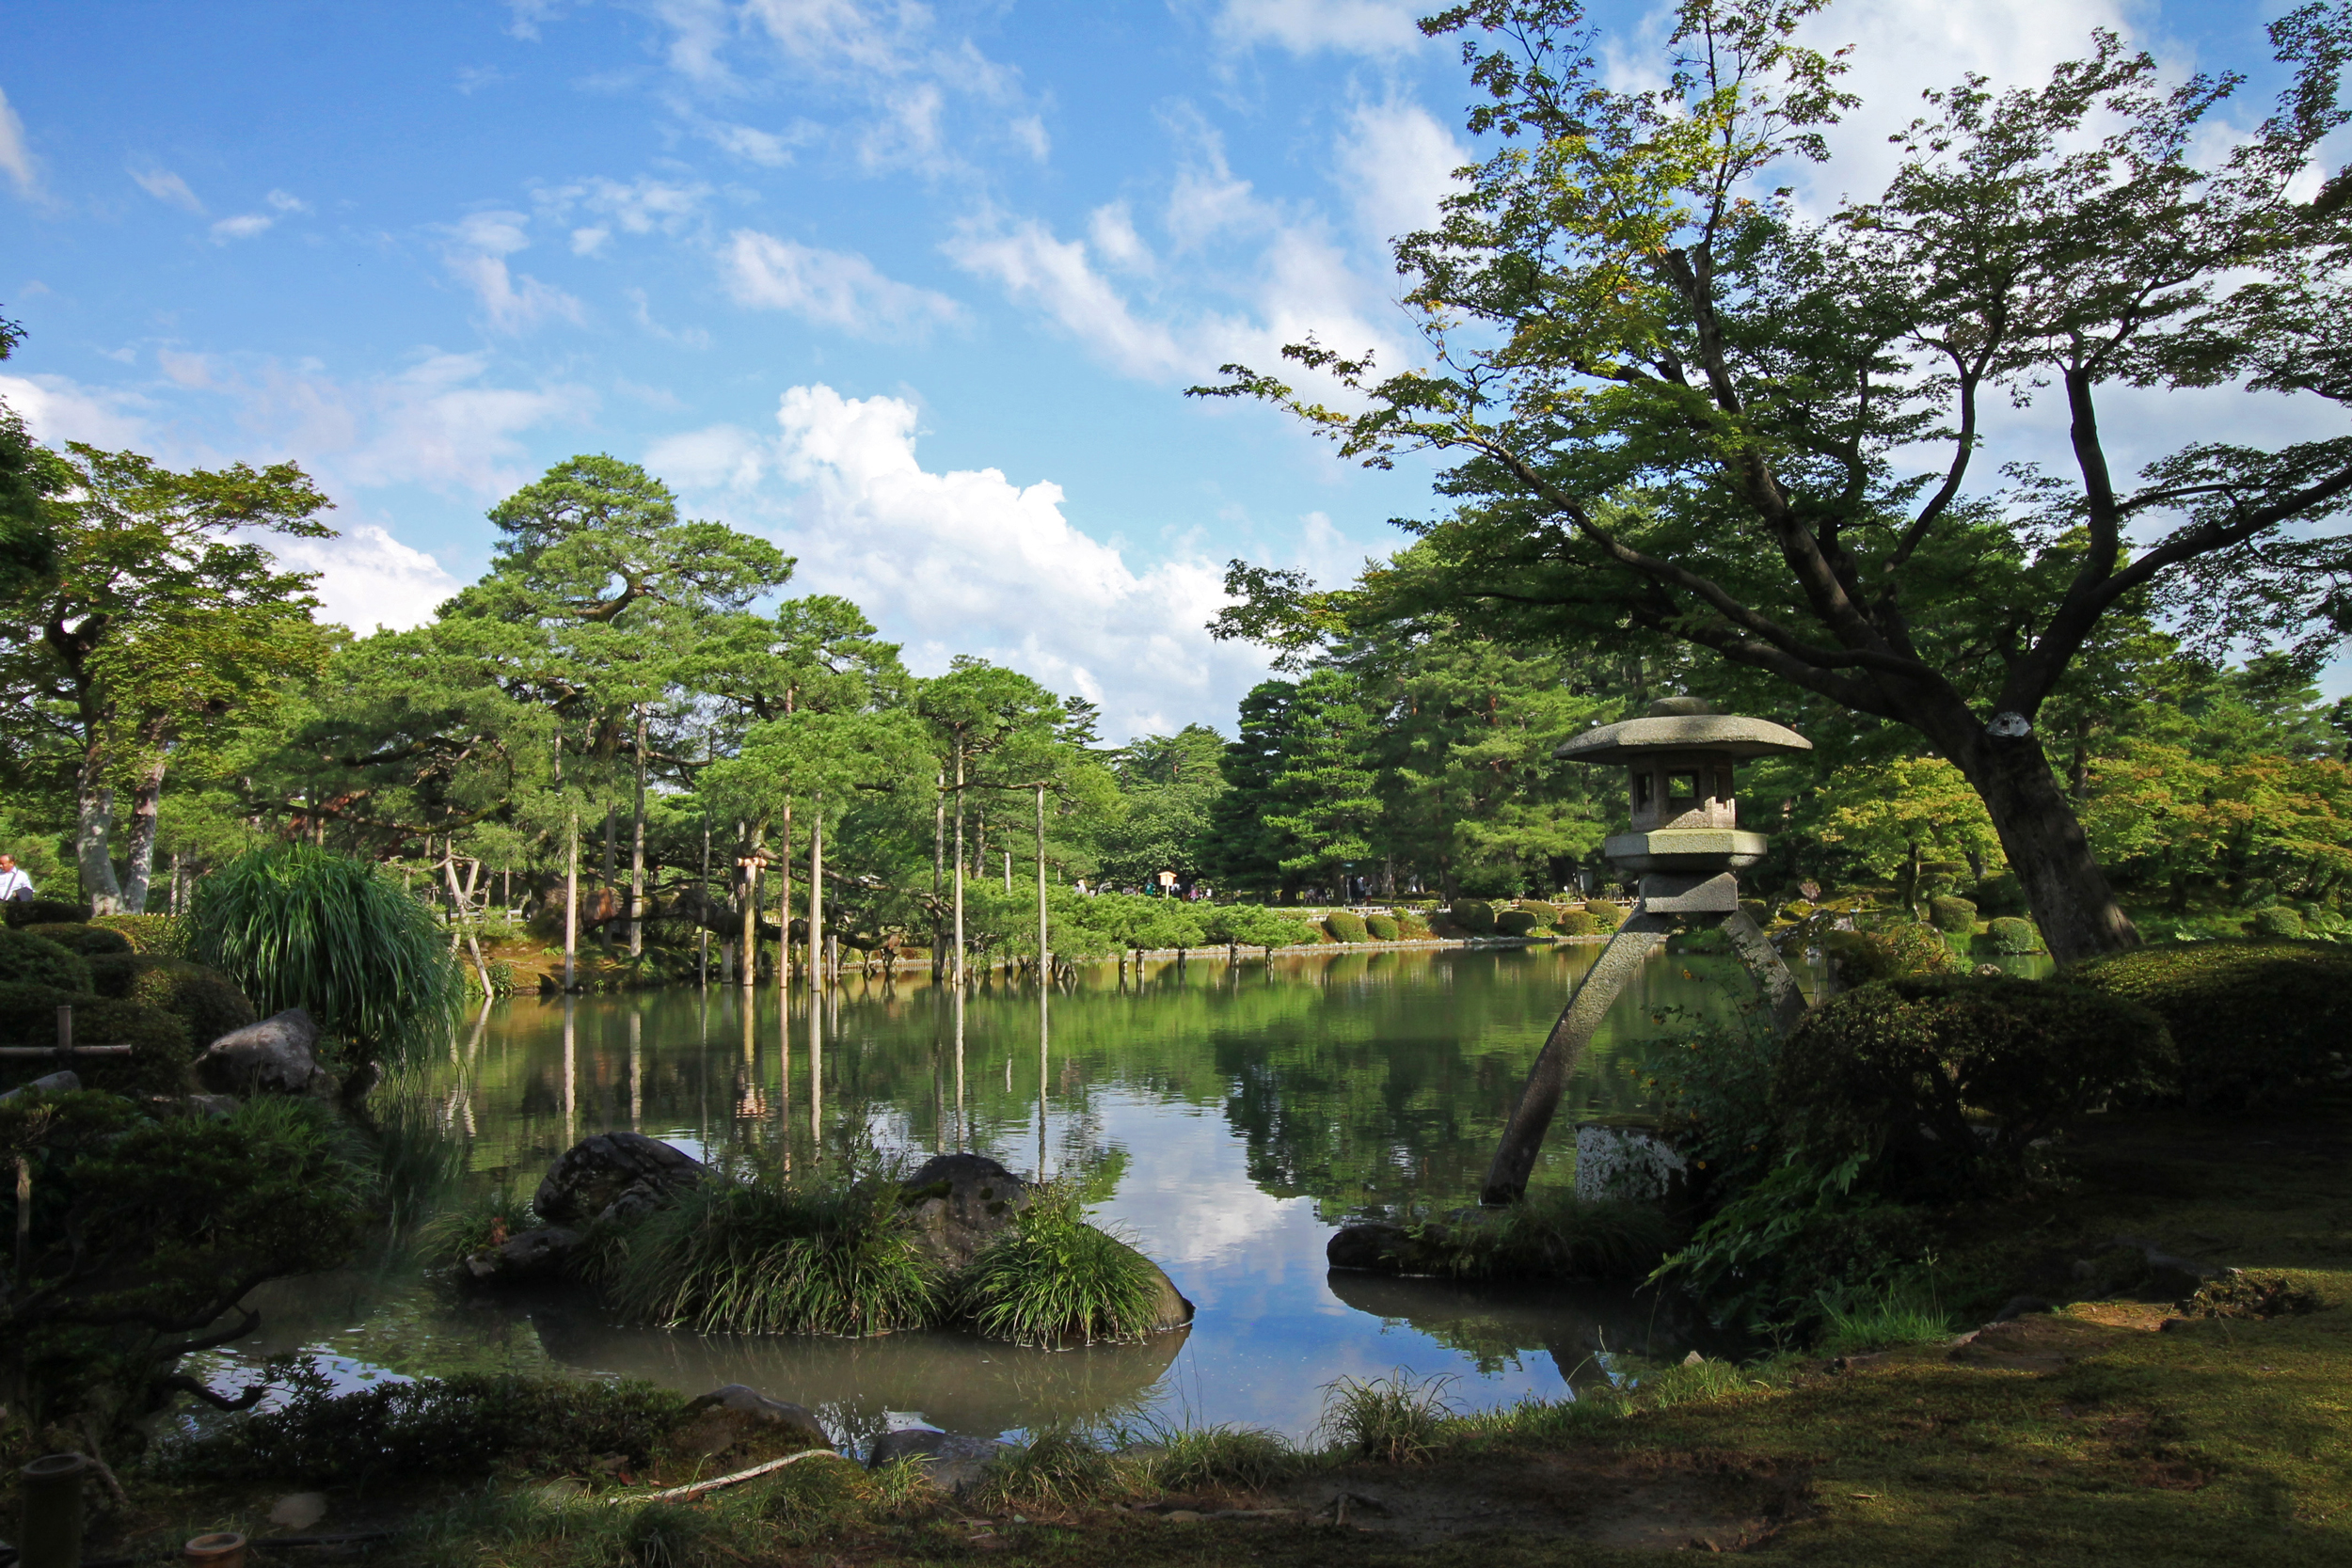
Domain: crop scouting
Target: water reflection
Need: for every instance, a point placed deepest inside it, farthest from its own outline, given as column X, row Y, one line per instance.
column 1224, row 1118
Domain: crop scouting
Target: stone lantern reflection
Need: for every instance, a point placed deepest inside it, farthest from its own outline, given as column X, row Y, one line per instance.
column 1686, row 848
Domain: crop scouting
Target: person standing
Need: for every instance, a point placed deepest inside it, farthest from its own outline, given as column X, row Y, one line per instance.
column 14, row 884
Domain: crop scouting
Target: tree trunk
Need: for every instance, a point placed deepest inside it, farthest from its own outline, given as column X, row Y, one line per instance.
column 2047, row 848
column 637, row 853
column 93, row 830
column 140, row 849
column 817, row 895
column 606, row 879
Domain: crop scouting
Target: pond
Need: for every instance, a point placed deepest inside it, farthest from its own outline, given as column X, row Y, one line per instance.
column 1225, row 1119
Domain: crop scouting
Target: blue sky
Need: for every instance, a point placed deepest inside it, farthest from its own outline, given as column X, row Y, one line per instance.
column 914, row 289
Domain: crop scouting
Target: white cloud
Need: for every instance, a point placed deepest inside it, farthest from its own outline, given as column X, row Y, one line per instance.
column 641, row 206
column 164, row 185
column 476, row 256
column 1028, row 131
column 15, row 157
column 1395, row 161
column 243, row 227
column 1056, row 276
column 368, row 579
column 969, row 562
column 56, row 409
column 437, row 424
column 1309, row 26
column 286, row 201
column 833, row 288
column 767, row 149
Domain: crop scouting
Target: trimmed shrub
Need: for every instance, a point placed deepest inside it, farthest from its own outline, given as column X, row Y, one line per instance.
column 164, row 935
column 1608, row 916
column 1954, row 917
column 1546, row 915
column 1382, row 927
column 89, row 941
column 35, row 960
column 43, row 911
column 2000, row 896
column 1893, row 1071
column 2010, row 934
column 1472, row 916
column 1576, row 923
column 2276, row 921
column 1515, row 923
column 207, row 1001
column 2254, row 1022
column 1344, row 925
column 160, row 1051
column 1860, row 957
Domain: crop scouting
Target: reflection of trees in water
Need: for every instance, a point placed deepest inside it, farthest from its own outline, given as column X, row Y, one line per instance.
column 1574, row 1325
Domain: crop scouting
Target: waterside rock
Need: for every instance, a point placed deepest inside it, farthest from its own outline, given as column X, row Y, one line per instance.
column 524, row 1259
column 742, row 1422
column 953, row 1462
column 960, row 1203
column 1170, row 1309
column 56, row 1083
column 1373, row 1245
column 277, row 1056
column 614, row 1176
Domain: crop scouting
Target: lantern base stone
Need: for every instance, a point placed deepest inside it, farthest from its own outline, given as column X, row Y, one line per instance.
column 1672, row 892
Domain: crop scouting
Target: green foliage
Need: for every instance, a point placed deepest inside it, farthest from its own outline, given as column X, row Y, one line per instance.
column 91, row 942
column 2012, row 934
column 1999, row 897
column 159, row 935
column 2254, row 1023
column 775, row 1259
column 161, row 1048
column 1248, row 1459
column 1059, row 1466
column 207, row 1001
column 469, row 1224
column 1860, row 957
column 1954, row 917
column 21, row 913
column 1896, row 1312
column 1517, row 922
column 2278, row 921
column 1606, row 915
column 1382, row 927
column 1549, row 1234
column 29, row 960
column 299, row 926
column 1800, row 1233
column 1901, row 1072
column 1344, row 925
column 2255, row 1294
column 1473, row 916
column 467, row 1426
column 1253, row 925
column 1576, row 923
column 1056, row 1280
column 1395, row 1420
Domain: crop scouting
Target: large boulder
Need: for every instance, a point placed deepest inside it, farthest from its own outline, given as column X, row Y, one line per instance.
column 614, row 1176
column 951, row 1461
column 1169, row 1307
column 56, row 1083
column 960, row 1203
column 739, row 1422
column 277, row 1056
column 524, row 1259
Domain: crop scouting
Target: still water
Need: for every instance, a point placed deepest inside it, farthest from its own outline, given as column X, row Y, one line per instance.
column 1224, row 1119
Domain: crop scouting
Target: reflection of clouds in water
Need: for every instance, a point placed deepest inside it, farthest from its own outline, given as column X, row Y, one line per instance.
column 1183, row 1195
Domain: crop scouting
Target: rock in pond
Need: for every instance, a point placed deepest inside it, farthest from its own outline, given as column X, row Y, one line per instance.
column 960, row 1203
column 742, row 1422
column 953, row 1462
column 614, row 1176
column 277, row 1056
column 1170, row 1309
column 532, row 1255
column 1373, row 1245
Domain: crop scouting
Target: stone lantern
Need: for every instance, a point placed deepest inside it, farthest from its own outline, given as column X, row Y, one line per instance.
column 1687, row 848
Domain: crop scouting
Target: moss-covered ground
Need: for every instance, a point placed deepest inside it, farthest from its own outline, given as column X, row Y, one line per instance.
column 2102, row 1432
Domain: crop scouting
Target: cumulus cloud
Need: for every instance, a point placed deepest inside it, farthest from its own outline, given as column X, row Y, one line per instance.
column 166, row 186
column 1395, row 161
column 969, row 562
column 56, row 409
column 476, row 252
column 833, row 288
column 243, row 226
column 16, row 155
column 369, row 581
column 1311, row 26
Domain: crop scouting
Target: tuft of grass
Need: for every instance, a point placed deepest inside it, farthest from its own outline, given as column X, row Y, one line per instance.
column 1397, row 1419
column 1249, row 1457
column 1058, row 1467
column 776, row 1258
column 1898, row 1314
column 483, row 1219
column 667, row 1535
column 1056, row 1280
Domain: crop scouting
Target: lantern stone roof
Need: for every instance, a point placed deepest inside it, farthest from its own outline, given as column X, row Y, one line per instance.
column 1681, row 724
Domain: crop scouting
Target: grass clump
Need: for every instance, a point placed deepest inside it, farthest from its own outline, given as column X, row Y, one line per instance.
column 1246, row 1458
column 776, row 1259
column 1056, row 1280
column 487, row 1219
column 1058, row 1467
column 1898, row 1314
column 1397, row 1419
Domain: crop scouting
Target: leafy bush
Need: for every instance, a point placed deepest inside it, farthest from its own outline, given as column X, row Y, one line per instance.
column 1607, row 915
column 1860, row 957
column 160, row 1048
column 465, row 1425
column 91, row 942
column 1804, row 1233
column 1549, row 1234
column 1056, row 1280
column 1382, row 927
column 35, row 960
column 2008, row 933
column 296, row 926
column 1998, row 896
column 1576, row 923
column 43, row 911
column 1394, row 1419
column 1344, row 925
column 1893, row 1071
column 1472, row 916
column 165, row 936
column 775, row 1259
column 1515, row 923
column 204, row 999
column 2254, row 1023
column 2276, row 921
column 1954, row 917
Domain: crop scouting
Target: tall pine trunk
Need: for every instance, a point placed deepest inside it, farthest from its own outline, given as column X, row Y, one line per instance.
column 138, row 849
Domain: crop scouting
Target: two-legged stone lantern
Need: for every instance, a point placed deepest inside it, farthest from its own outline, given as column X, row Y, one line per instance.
column 1688, row 849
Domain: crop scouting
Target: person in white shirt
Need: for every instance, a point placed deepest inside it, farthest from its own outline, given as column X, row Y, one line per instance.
column 13, row 883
